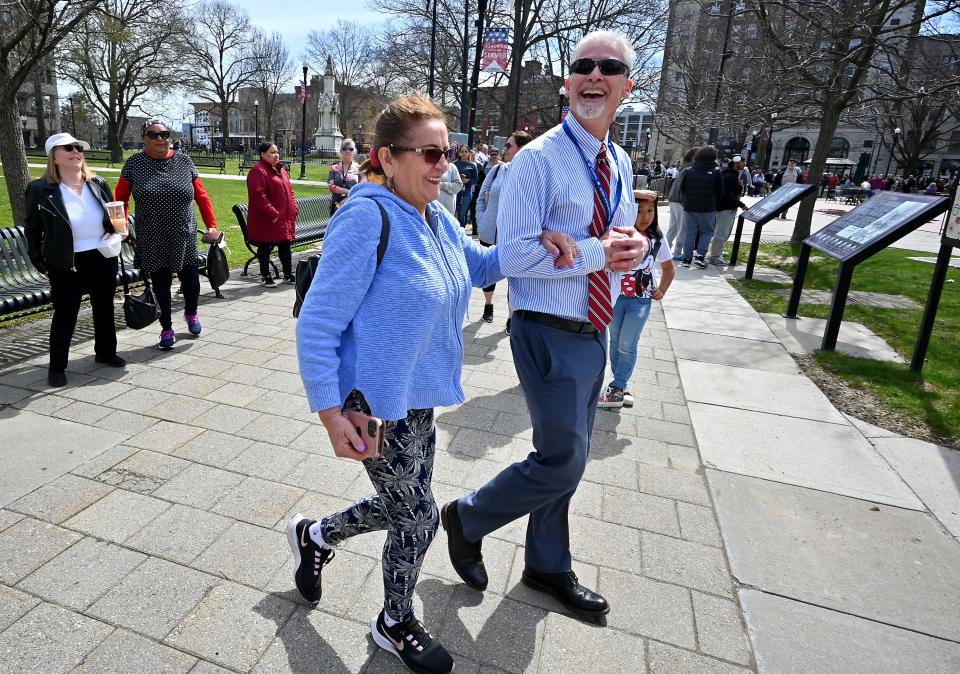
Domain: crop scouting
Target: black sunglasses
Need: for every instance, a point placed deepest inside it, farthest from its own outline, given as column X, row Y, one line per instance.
column 71, row 148
column 607, row 67
column 431, row 155
column 153, row 135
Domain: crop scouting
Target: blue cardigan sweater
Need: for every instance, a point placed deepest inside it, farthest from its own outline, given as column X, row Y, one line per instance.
column 393, row 331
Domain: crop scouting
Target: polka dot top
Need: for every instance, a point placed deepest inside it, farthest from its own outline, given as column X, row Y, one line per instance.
column 165, row 225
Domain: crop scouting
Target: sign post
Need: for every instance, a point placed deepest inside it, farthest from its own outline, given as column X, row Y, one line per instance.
column 856, row 236
column 949, row 239
column 763, row 212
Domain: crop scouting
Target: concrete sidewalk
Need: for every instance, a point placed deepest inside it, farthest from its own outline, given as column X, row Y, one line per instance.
column 142, row 512
column 842, row 537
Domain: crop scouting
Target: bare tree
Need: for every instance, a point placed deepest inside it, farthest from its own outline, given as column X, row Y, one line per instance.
column 125, row 50
column 29, row 32
column 273, row 74
column 827, row 53
column 220, row 54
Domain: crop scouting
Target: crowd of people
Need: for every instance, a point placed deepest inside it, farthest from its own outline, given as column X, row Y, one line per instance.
column 380, row 333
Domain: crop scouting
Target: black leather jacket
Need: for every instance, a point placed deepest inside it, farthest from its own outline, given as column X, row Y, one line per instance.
column 49, row 237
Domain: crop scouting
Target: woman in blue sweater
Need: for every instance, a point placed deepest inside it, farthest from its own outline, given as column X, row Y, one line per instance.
column 384, row 338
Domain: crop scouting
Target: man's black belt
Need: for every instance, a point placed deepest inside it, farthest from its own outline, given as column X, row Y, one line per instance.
column 552, row 321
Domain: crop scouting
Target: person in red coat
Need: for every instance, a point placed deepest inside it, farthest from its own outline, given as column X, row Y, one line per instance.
column 272, row 212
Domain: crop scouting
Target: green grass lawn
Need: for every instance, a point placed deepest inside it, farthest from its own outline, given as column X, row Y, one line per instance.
column 223, row 193
column 931, row 398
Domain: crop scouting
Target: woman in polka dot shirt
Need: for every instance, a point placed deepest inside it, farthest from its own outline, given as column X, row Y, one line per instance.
column 164, row 184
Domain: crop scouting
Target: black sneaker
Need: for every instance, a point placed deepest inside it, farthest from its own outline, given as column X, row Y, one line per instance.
column 308, row 558
column 508, row 327
column 487, row 313
column 268, row 282
column 112, row 361
column 56, row 378
column 699, row 262
column 685, row 263
column 411, row 642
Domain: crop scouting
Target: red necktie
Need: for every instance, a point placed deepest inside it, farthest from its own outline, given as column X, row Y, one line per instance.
column 599, row 307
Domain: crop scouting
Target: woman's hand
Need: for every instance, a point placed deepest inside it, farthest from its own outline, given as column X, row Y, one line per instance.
column 343, row 436
column 561, row 246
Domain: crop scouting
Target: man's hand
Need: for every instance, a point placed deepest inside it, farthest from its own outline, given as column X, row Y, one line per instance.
column 624, row 248
column 561, row 246
column 343, row 436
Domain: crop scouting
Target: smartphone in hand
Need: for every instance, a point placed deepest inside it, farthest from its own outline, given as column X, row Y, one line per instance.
column 371, row 431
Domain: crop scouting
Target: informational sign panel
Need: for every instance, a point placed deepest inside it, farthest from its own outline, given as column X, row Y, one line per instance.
column 870, row 222
column 775, row 202
column 951, row 232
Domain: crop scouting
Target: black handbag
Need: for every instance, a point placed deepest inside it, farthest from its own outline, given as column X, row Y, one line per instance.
column 139, row 311
column 218, row 269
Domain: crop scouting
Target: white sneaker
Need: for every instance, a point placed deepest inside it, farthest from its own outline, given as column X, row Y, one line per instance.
column 627, row 399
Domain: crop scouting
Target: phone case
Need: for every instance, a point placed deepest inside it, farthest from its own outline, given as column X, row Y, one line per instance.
column 370, row 429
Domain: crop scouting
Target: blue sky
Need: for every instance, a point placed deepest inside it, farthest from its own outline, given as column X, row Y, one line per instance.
column 295, row 19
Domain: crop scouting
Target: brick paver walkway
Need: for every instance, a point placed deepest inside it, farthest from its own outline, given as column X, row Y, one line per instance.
column 166, row 552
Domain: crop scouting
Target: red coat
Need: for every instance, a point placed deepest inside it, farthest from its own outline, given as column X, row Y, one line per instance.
column 272, row 211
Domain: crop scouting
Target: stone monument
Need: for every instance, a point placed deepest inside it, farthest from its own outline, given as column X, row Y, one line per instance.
column 327, row 136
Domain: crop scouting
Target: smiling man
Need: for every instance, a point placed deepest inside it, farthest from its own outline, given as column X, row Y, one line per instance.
column 575, row 180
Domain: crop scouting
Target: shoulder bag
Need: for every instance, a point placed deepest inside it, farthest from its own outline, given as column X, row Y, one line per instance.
column 139, row 311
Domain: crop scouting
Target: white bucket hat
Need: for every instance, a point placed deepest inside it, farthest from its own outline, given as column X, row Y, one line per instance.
column 59, row 139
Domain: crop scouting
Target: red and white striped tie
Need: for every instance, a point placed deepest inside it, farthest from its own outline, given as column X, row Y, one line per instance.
column 599, row 307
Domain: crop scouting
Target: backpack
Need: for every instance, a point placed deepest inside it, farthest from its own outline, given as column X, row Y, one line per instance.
column 308, row 267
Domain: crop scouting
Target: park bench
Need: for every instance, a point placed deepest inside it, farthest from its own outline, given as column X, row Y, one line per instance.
column 25, row 291
column 102, row 156
column 312, row 219
column 218, row 162
column 247, row 164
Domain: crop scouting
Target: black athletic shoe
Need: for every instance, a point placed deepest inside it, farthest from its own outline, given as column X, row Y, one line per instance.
column 487, row 313
column 268, row 282
column 411, row 642
column 56, row 378
column 508, row 327
column 308, row 558
column 112, row 361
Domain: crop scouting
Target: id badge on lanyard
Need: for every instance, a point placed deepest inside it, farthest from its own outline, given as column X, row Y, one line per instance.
column 604, row 197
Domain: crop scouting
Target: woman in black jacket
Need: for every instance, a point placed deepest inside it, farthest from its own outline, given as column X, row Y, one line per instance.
column 66, row 221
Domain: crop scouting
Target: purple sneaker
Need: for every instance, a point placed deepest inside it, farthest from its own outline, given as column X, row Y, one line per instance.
column 193, row 324
column 167, row 340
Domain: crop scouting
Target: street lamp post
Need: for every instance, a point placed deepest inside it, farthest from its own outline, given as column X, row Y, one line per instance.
column 256, row 123
column 896, row 137
column 303, row 126
column 433, row 47
column 563, row 92
column 766, row 161
column 646, row 146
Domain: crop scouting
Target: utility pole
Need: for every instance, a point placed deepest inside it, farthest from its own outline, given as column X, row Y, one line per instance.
column 433, row 48
column 463, row 67
column 475, row 78
column 724, row 52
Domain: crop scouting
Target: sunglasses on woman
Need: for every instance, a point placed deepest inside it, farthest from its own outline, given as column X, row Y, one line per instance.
column 607, row 67
column 348, row 149
column 431, row 155
column 72, row 148
column 153, row 135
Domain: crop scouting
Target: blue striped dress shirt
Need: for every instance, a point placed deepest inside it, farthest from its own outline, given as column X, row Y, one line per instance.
column 549, row 187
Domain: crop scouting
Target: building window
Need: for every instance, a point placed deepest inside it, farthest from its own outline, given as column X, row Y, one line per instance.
column 678, row 76
column 715, row 8
column 839, row 148
column 895, row 21
column 711, row 33
column 868, row 143
column 752, row 32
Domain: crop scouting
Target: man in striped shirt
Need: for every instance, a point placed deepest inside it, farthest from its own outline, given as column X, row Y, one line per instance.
column 572, row 179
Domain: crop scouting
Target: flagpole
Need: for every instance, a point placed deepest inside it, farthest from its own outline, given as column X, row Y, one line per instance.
column 475, row 77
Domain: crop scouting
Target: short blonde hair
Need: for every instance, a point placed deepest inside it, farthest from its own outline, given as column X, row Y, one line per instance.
column 608, row 38
column 52, row 173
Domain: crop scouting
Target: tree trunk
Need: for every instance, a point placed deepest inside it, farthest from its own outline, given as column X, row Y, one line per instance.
column 508, row 113
column 224, row 124
column 13, row 155
column 38, row 105
column 830, row 116
column 114, row 139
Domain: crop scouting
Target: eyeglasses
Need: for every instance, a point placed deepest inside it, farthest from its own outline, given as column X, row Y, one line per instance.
column 72, row 148
column 431, row 155
column 348, row 149
column 153, row 135
column 607, row 67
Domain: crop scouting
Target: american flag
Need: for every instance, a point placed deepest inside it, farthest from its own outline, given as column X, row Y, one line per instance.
column 496, row 50
column 302, row 96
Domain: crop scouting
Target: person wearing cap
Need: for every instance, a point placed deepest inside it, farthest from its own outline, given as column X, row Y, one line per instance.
column 726, row 209
column 66, row 221
column 493, row 160
column 164, row 185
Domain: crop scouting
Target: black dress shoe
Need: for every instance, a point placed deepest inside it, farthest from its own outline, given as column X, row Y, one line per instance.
column 465, row 556
column 57, row 378
column 112, row 361
column 566, row 588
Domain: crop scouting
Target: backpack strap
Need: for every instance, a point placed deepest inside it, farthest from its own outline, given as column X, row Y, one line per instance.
column 384, row 231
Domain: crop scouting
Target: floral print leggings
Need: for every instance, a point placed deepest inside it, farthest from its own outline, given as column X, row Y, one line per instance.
column 403, row 504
